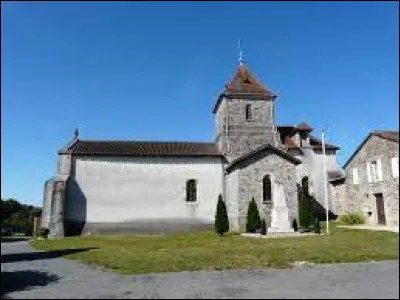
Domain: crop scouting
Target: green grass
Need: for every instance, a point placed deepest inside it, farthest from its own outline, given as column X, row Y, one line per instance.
column 207, row 251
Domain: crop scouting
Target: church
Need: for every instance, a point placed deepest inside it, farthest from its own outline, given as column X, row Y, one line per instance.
column 154, row 187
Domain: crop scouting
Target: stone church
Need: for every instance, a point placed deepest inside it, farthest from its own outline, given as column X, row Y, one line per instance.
column 104, row 186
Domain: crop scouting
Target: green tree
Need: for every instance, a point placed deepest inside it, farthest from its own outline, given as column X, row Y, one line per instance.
column 20, row 215
column 305, row 215
column 8, row 207
column 221, row 224
column 253, row 217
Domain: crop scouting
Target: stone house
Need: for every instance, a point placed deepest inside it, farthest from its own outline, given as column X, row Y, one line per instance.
column 371, row 184
column 153, row 186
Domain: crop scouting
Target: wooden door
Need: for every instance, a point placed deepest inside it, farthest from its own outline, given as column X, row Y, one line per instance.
column 380, row 209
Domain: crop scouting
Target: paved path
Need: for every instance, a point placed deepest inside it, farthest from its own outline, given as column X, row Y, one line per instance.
column 26, row 273
column 369, row 227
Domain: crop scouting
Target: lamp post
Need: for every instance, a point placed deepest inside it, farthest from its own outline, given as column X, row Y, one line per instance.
column 325, row 183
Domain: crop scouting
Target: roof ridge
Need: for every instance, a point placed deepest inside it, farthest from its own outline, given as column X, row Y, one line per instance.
column 147, row 141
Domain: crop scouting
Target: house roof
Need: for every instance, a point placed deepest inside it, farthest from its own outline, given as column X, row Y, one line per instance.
column 244, row 85
column 303, row 127
column 390, row 135
column 251, row 154
column 141, row 148
column 287, row 133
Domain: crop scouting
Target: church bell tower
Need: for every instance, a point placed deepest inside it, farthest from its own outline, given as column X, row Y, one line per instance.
column 244, row 115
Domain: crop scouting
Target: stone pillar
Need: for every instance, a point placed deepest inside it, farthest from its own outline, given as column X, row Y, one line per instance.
column 56, row 225
column 46, row 210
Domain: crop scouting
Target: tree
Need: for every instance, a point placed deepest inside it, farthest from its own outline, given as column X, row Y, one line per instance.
column 221, row 225
column 8, row 207
column 253, row 217
column 15, row 214
column 305, row 216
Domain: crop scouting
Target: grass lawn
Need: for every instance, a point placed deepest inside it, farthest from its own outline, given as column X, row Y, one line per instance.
column 207, row 251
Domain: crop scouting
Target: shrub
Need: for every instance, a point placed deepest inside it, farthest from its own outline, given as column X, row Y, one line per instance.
column 263, row 227
column 352, row 218
column 304, row 211
column 221, row 224
column 253, row 217
column 43, row 233
column 294, row 225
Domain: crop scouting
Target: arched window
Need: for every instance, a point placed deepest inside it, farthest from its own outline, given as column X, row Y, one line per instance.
column 304, row 185
column 191, row 190
column 249, row 112
column 267, row 189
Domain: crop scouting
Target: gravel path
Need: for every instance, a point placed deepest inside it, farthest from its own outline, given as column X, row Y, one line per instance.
column 27, row 273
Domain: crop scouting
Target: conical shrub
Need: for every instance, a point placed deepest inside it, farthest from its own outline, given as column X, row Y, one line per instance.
column 253, row 217
column 221, row 224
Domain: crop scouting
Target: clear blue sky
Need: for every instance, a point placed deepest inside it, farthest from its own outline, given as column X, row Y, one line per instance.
column 152, row 71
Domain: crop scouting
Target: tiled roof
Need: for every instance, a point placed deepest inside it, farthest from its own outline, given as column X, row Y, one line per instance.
column 303, row 127
column 386, row 134
column 244, row 85
column 287, row 132
column 141, row 148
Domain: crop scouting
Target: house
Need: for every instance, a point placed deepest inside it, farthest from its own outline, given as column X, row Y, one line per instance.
column 371, row 184
column 165, row 186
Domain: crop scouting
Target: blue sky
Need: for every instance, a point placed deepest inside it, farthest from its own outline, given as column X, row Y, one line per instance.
column 152, row 71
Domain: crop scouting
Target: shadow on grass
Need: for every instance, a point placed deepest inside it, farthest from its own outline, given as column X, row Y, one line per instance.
column 21, row 280
column 29, row 256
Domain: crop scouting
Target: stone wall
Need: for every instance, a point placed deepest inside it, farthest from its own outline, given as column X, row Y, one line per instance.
column 235, row 135
column 337, row 196
column 251, row 185
column 360, row 197
column 232, row 200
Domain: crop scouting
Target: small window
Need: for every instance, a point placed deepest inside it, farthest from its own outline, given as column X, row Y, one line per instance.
column 191, row 190
column 355, row 176
column 267, row 189
column 249, row 112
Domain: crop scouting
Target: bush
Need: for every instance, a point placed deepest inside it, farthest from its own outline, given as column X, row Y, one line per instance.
column 263, row 227
column 221, row 224
column 253, row 217
column 305, row 216
column 294, row 225
column 352, row 218
column 43, row 233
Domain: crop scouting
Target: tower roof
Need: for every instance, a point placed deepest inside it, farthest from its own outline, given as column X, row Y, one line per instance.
column 244, row 85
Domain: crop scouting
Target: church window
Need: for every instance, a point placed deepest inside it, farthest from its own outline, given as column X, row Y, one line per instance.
column 191, row 190
column 249, row 112
column 267, row 189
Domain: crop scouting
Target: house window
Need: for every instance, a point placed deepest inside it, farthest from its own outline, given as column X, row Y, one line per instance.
column 395, row 167
column 267, row 189
column 191, row 190
column 374, row 171
column 355, row 176
column 249, row 112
